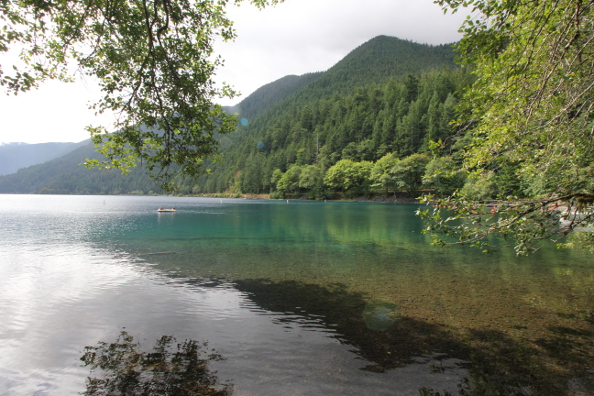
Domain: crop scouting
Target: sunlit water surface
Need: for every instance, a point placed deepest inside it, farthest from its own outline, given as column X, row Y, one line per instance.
column 301, row 298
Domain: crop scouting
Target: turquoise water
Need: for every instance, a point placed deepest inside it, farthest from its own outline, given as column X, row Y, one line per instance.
column 299, row 297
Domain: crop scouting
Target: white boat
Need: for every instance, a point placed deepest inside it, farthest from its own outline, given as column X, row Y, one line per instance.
column 161, row 210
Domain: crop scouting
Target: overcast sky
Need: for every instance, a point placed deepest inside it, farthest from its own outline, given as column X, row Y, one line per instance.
column 296, row 37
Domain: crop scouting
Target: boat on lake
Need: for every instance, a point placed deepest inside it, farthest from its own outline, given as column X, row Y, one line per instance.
column 162, row 210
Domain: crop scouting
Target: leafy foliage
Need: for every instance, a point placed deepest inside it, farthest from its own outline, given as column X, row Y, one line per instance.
column 380, row 173
column 408, row 172
column 444, row 176
column 530, row 108
column 350, row 176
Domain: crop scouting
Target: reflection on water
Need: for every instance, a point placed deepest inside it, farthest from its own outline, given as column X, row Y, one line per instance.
column 304, row 298
column 168, row 369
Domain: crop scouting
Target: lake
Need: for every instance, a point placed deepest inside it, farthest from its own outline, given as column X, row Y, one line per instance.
column 300, row 298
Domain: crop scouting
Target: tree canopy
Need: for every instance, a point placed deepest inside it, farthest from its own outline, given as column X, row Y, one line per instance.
column 154, row 62
column 530, row 111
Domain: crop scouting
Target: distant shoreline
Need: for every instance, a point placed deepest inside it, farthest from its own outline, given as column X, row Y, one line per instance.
column 377, row 198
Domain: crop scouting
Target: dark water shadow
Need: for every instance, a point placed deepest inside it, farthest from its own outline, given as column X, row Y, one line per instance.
column 498, row 364
column 343, row 312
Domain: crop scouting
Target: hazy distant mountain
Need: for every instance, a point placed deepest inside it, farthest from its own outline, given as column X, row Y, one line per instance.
column 66, row 175
column 14, row 156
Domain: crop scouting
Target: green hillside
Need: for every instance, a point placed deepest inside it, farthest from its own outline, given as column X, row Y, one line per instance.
column 379, row 60
column 387, row 96
column 267, row 96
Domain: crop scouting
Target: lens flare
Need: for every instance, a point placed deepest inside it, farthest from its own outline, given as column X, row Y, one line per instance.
column 380, row 314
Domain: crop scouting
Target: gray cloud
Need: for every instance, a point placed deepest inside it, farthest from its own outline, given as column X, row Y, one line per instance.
column 301, row 36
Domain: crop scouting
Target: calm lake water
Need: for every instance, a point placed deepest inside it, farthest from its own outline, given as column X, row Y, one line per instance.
column 301, row 298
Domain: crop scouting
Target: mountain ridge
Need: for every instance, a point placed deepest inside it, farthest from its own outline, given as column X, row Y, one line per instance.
column 269, row 94
column 281, row 121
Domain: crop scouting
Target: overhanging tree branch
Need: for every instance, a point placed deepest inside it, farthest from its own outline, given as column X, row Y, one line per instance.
column 154, row 64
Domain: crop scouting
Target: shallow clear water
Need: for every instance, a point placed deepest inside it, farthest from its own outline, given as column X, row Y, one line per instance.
column 300, row 297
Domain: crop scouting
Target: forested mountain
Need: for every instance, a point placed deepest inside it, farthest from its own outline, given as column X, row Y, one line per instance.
column 374, row 62
column 377, row 61
column 388, row 97
column 271, row 94
column 14, row 156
